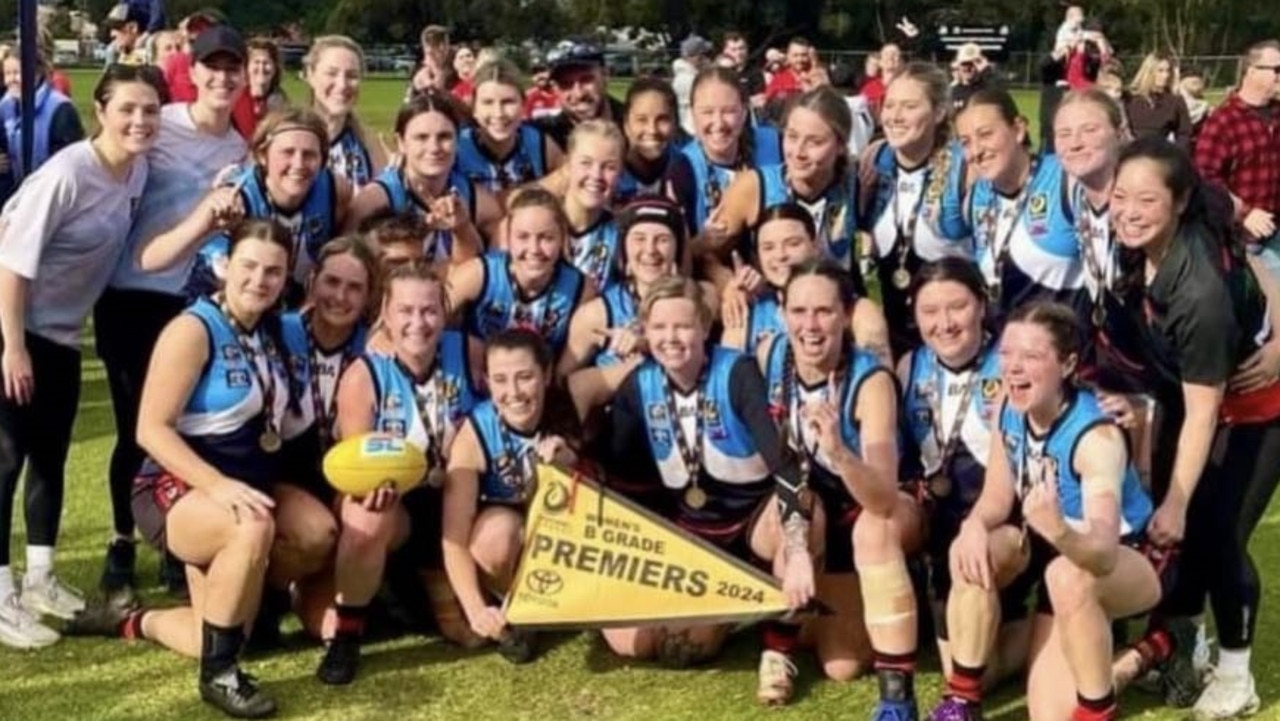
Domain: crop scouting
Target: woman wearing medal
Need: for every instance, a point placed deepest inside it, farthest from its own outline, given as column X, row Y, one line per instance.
column 334, row 68
column 692, row 420
column 1023, row 232
column 836, row 407
column 814, row 174
column 529, row 285
column 951, row 390
column 460, row 213
column 287, row 181
column 420, row 391
column 752, row 308
column 605, row 330
column 216, row 393
column 918, row 178
column 322, row 341
column 492, row 476
column 1062, row 502
column 725, row 144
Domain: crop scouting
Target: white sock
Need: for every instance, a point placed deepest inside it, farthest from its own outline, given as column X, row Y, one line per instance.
column 39, row 563
column 6, row 582
column 1233, row 662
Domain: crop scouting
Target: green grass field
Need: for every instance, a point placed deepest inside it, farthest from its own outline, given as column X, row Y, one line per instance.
column 423, row 678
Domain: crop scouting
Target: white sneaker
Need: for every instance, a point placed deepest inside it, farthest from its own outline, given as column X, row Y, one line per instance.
column 52, row 597
column 1227, row 697
column 20, row 629
column 1202, row 656
column 776, row 672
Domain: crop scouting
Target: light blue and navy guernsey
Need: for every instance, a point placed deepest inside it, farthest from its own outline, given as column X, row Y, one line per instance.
column 350, row 159
column 932, row 388
column 502, row 304
column 711, row 180
column 632, row 183
column 400, row 199
column 307, row 357
column 928, row 216
column 224, row 419
column 823, row 479
column 1050, row 458
column 1041, row 256
column 526, row 162
column 594, row 250
column 734, row 474
column 446, row 395
column 509, row 458
column 834, row 212
column 620, row 311
column 764, row 320
column 311, row 225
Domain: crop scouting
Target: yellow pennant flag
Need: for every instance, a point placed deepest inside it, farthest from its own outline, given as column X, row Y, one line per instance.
column 593, row 558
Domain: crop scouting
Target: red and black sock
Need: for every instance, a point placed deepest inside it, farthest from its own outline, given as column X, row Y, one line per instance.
column 1103, row 709
column 896, row 674
column 966, row 682
column 350, row 621
column 131, row 626
column 781, row 637
column 1154, row 648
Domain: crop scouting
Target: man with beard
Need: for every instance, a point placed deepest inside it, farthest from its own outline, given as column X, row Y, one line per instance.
column 577, row 70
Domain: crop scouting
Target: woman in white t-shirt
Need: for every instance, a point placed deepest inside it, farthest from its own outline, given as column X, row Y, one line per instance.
column 196, row 141
column 61, row 235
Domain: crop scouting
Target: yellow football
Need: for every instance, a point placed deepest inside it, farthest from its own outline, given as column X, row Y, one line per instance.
column 360, row 465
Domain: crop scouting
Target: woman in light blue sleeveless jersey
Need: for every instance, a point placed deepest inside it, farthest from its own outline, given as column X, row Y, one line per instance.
column 531, row 285
column 501, row 152
column 420, row 391
column 462, row 215
column 606, row 330
column 492, row 476
column 836, row 409
column 950, row 395
column 334, row 68
column 216, row 395
column 725, row 144
column 287, row 182
column 751, row 308
column 916, row 187
column 1062, row 501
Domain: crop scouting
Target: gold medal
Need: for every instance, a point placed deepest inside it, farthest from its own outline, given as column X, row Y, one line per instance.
column 270, row 441
column 901, row 279
column 695, row 497
column 939, row 485
column 435, row 477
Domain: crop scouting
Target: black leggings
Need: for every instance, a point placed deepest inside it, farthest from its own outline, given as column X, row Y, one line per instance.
column 1233, row 493
column 126, row 324
column 39, row 432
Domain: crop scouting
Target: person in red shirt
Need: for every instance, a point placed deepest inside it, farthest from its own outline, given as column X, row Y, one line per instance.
column 540, row 100
column 789, row 80
column 1239, row 149
column 464, row 64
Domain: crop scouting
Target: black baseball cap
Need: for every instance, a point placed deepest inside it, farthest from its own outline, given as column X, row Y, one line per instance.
column 575, row 53
column 218, row 39
column 652, row 209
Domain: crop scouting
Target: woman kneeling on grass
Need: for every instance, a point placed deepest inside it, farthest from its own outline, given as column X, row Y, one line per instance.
column 492, row 476
column 1061, row 501
column 212, row 407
